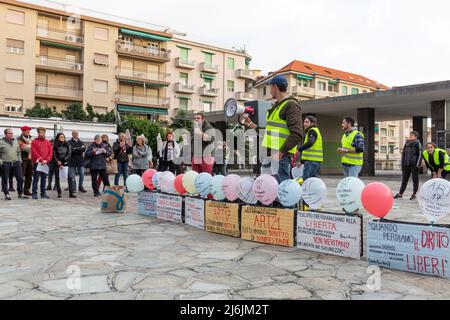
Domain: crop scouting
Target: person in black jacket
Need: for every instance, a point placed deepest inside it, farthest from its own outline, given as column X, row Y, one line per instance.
column 61, row 156
column 122, row 148
column 410, row 164
column 76, row 163
column 98, row 153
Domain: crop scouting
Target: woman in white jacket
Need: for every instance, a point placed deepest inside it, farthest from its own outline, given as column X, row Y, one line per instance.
column 170, row 150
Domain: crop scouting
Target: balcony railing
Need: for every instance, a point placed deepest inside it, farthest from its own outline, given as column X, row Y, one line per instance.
column 52, row 62
column 187, row 64
column 303, row 91
column 246, row 74
column 59, row 91
column 143, row 100
column 183, row 88
column 245, row 96
column 210, row 92
column 60, row 35
column 148, row 52
column 207, row 67
column 142, row 75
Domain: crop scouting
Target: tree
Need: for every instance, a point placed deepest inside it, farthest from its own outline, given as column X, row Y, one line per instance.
column 181, row 121
column 109, row 117
column 38, row 112
column 75, row 111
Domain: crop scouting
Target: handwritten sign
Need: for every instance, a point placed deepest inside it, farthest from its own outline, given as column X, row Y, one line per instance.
column 412, row 248
column 223, row 218
column 195, row 213
column 147, row 203
column 333, row 234
column 434, row 199
column 169, row 208
column 268, row 225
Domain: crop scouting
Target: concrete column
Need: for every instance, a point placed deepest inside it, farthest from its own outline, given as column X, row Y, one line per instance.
column 420, row 124
column 438, row 121
column 366, row 124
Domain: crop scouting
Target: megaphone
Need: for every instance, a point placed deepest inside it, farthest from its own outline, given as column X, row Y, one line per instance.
column 232, row 109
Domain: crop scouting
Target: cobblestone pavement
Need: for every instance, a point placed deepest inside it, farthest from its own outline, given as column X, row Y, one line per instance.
column 134, row 257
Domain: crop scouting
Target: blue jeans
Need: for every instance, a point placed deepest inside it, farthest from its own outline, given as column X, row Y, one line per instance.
column 352, row 171
column 122, row 169
column 72, row 178
column 36, row 176
column 311, row 169
column 284, row 170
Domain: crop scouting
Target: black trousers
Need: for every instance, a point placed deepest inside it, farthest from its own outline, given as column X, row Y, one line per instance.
column 103, row 175
column 168, row 166
column 16, row 170
column 27, row 170
column 139, row 172
column 407, row 172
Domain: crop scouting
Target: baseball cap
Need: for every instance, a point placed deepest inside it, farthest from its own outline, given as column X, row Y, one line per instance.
column 279, row 80
column 25, row 128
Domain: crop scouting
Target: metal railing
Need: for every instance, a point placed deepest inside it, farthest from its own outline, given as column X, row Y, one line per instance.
column 204, row 91
column 54, row 62
column 243, row 73
column 209, row 67
column 184, row 63
column 179, row 87
column 58, row 34
column 245, row 96
column 59, row 91
column 151, row 52
column 303, row 90
column 143, row 100
column 142, row 74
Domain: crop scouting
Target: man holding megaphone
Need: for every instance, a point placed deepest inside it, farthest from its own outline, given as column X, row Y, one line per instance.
column 284, row 127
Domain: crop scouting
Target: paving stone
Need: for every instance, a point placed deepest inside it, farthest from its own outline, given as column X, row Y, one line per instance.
column 159, row 282
column 253, row 272
column 288, row 291
column 87, row 285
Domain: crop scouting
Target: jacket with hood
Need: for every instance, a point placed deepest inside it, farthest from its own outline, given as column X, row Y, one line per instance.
column 41, row 150
column 119, row 154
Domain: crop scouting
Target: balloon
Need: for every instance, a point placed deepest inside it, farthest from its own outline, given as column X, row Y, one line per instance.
column 229, row 187
column 203, row 184
column 349, row 193
column 147, row 178
column 377, row 199
column 178, row 184
column 297, row 172
column 245, row 191
column 434, row 199
column 189, row 182
column 156, row 178
column 289, row 193
column 166, row 182
column 314, row 193
column 216, row 188
column 265, row 189
column 135, row 184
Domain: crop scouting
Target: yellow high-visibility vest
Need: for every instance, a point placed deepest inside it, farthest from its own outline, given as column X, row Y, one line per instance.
column 315, row 153
column 426, row 157
column 351, row 158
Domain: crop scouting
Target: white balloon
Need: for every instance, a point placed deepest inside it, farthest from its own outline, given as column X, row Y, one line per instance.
column 348, row 193
column 166, row 182
column 297, row 172
column 434, row 199
column 314, row 193
column 245, row 191
column 135, row 184
column 289, row 193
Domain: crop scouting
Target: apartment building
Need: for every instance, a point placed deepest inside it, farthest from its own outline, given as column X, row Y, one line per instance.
column 54, row 58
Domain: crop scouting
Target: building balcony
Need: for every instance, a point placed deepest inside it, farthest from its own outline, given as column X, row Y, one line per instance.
column 12, row 110
column 57, row 64
column 59, row 93
column 185, row 64
column 145, row 101
column 182, row 88
column 151, row 78
column 209, row 92
column 146, row 53
column 211, row 68
column 246, row 96
column 304, row 91
column 60, row 36
column 246, row 74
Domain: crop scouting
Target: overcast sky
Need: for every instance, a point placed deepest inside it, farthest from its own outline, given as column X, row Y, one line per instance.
column 397, row 42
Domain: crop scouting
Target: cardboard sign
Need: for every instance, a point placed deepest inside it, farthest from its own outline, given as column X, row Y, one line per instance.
column 334, row 234
column 169, row 208
column 195, row 213
column 412, row 248
column 268, row 225
column 223, row 218
column 147, row 203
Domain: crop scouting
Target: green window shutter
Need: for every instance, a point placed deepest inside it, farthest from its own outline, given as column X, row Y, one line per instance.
column 230, row 86
column 208, row 58
column 183, row 104
column 230, row 63
column 184, row 54
column 184, row 78
column 355, row 91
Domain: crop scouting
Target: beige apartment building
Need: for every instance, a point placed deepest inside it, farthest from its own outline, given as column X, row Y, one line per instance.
column 54, row 58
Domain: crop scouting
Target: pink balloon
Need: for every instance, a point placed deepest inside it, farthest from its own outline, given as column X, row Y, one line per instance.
column 377, row 199
column 265, row 189
column 147, row 178
column 229, row 187
column 178, row 184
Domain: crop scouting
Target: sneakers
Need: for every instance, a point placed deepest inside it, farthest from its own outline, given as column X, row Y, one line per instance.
column 45, row 197
column 398, row 196
column 35, row 197
column 22, row 197
column 7, row 197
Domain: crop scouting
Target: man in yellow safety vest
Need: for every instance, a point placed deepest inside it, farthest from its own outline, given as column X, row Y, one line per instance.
column 312, row 149
column 352, row 150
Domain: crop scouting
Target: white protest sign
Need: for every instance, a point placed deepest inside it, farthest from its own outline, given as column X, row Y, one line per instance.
column 169, row 208
column 195, row 213
column 434, row 199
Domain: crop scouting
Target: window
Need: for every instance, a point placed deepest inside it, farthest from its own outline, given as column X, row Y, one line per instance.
column 16, row 17
column 355, row 91
column 15, row 46
column 384, row 132
column 14, row 75
column 208, row 58
column 207, row 106
column 183, row 104
column 101, row 110
column 322, row 86
column 101, row 86
column 383, row 149
column 344, row 90
column 101, row 59
column 230, row 63
column 208, row 84
column 304, row 83
column 230, row 86
column 13, row 105
column 391, row 133
column 184, row 55
column 265, row 91
column 184, row 78
column 101, row 34
column 391, row 149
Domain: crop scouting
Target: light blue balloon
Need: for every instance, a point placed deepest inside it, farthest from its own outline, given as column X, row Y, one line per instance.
column 203, row 184
column 135, row 184
column 156, row 178
column 289, row 193
column 216, row 188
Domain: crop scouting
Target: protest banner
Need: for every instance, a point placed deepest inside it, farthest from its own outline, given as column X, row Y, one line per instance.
column 169, row 208
column 195, row 212
column 223, row 218
column 147, row 203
